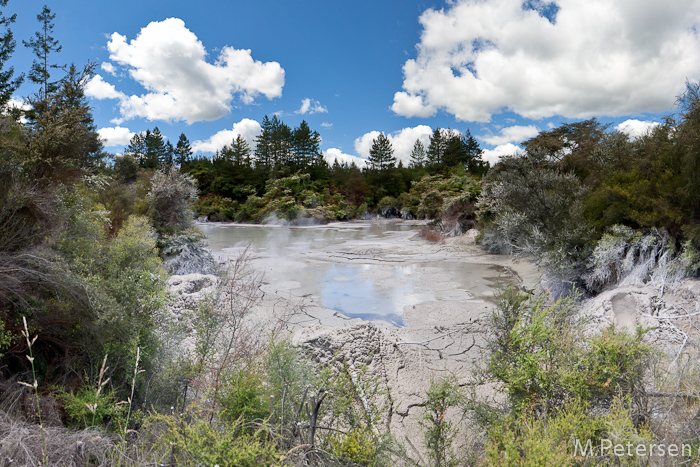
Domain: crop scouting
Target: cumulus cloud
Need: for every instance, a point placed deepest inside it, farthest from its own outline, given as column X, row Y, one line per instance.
column 333, row 154
column 511, row 134
column 327, row 125
column 100, row 89
column 109, row 68
column 247, row 128
column 636, row 128
column 573, row 58
column 169, row 61
column 310, row 106
column 115, row 136
column 494, row 155
column 402, row 141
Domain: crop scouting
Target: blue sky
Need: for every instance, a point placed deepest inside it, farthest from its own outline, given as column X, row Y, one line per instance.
column 504, row 69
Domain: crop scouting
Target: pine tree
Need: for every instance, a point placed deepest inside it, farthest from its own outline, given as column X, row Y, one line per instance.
column 436, row 149
column 238, row 152
column 64, row 137
column 183, row 150
column 43, row 45
column 7, row 47
column 306, row 146
column 417, row 155
column 381, row 154
column 263, row 147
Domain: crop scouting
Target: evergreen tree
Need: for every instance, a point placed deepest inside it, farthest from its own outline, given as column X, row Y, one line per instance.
column 306, row 146
column 436, row 149
column 474, row 164
column 7, row 47
column 281, row 143
column 64, row 136
column 381, row 154
column 137, row 147
column 183, row 150
column 151, row 150
column 455, row 151
column 263, row 147
column 43, row 45
column 237, row 153
column 417, row 155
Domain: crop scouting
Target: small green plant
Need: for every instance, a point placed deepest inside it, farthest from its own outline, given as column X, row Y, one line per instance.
column 196, row 442
column 438, row 429
column 91, row 406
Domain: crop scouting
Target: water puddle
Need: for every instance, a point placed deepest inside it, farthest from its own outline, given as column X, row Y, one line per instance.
column 373, row 292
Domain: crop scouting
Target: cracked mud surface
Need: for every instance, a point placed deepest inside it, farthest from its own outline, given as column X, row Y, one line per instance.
column 439, row 292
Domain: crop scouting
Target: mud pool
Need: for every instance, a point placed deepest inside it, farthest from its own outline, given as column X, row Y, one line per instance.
column 372, row 270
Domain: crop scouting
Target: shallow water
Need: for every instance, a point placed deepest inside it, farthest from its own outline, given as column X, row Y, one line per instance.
column 375, row 292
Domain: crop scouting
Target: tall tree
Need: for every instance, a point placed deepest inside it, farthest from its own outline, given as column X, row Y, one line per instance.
column 238, row 152
column 307, row 148
column 417, row 155
column 64, row 136
column 436, row 149
column 263, row 146
column 43, row 45
column 7, row 47
column 381, row 154
column 183, row 150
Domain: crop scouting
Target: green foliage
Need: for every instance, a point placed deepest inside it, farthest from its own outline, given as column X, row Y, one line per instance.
column 242, row 398
column 7, row 47
column 438, row 429
column 43, row 45
column 529, row 441
column 431, row 197
column 538, row 352
column 196, row 442
column 359, row 447
column 6, row 336
column 87, row 407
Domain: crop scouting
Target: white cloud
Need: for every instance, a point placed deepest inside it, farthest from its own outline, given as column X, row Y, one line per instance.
column 15, row 104
column 594, row 58
column 327, row 125
column 495, row 154
column 109, row 68
column 310, row 106
column 402, row 141
column 100, row 89
column 511, row 134
column 115, row 136
column 636, row 128
column 247, row 128
column 333, row 154
column 169, row 61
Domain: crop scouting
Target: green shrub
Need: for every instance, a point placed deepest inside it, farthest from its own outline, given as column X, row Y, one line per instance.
column 197, row 442
column 563, row 439
column 87, row 407
column 539, row 352
column 243, row 399
column 438, row 429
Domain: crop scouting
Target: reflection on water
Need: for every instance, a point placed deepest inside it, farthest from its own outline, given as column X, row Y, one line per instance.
column 366, row 291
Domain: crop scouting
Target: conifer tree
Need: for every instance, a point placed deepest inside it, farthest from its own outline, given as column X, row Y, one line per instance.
column 238, row 152
column 183, row 150
column 7, row 47
column 43, row 45
column 263, row 147
column 417, row 155
column 436, row 149
column 381, row 154
column 306, row 146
